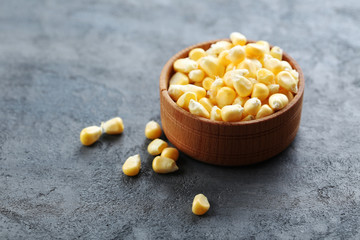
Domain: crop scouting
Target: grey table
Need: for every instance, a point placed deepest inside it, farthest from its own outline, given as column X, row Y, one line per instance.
column 65, row 65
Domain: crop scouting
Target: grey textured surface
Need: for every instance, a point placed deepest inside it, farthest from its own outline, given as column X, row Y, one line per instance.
column 65, row 65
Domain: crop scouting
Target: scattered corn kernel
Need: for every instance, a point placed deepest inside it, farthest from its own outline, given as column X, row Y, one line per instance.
column 207, row 82
column 264, row 111
column 132, row 166
column 179, row 79
column 152, row 130
column 287, row 81
column 170, row 152
column 196, row 75
column 156, row 146
column 237, row 38
column 278, row 101
column 252, row 106
column 197, row 53
column 113, row 126
column 265, row 76
column 212, row 67
column 200, row 205
column 185, row 65
column 260, row 91
column 276, row 52
column 236, row 54
column 164, row 165
column 232, row 113
column 184, row 100
column 215, row 114
column 206, row 103
column 90, row 135
column 243, row 86
column 198, row 109
column 225, row 96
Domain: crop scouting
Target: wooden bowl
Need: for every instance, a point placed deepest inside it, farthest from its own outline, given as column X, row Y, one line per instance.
column 228, row 143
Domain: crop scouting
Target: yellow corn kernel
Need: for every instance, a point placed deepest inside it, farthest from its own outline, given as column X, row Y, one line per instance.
column 237, row 38
column 90, row 135
column 240, row 100
column 215, row 114
column 287, row 93
column 225, row 96
column 232, row 113
column 198, row 109
column 217, row 84
column 223, row 60
column 196, row 75
column 273, row 65
column 265, row 76
column 220, row 46
column 230, row 75
column 113, row 126
column 273, row 88
column 251, row 66
column 170, row 152
column 278, row 101
column 276, row 52
column 252, row 106
column 157, row 146
column 264, row 111
column 253, row 50
column 199, row 91
column 200, row 205
column 196, row 54
column 253, row 80
column 230, row 67
column 185, row 65
column 248, row 118
column 287, row 81
column 206, row 103
column 132, row 166
column 206, row 83
column 211, row 66
column 295, row 75
column 236, row 54
column 265, row 45
column 184, row 100
column 152, row 130
column 243, row 86
column 164, row 165
column 175, row 91
column 260, row 91
column 286, row 65
column 179, row 79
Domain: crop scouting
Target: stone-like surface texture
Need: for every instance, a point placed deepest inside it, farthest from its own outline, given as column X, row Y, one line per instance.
column 65, row 65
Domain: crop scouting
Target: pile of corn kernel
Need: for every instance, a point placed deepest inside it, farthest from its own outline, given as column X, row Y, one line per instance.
column 233, row 81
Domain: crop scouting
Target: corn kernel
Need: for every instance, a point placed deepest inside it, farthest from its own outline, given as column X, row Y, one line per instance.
column 238, row 38
column 286, row 65
column 252, row 106
column 198, row 109
column 206, row 103
column 236, row 54
column 156, row 146
column 225, row 96
column 199, row 91
column 251, row 66
column 132, row 166
column 230, row 67
column 211, row 66
column 295, row 75
column 273, row 88
column 113, row 126
column 184, row 100
column 243, row 86
column 265, row 45
column 223, row 60
column 200, row 205
column 276, row 52
column 170, row 152
column 264, row 111
column 196, row 75
column 287, row 93
column 176, row 91
column 90, row 135
column 217, row 84
column 185, row 65
column 278, row 101
column 273, row 65
column 197, row 53
column 253, row 50
column 179, row 79
column 287, row 81
column 206, row 83
column 232, row 113
column 240, row 100
column 260, row 91
column 215, row 114
column 230, row 75
column 164, row 165
column 248, row 118
column 265, row 76
column 220, row 46
column 152, row 130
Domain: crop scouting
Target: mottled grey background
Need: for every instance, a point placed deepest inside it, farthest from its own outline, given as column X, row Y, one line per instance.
column 65, row 65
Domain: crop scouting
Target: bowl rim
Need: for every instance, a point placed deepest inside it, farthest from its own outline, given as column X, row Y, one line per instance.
column 168, row 68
